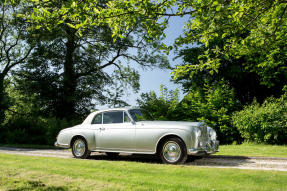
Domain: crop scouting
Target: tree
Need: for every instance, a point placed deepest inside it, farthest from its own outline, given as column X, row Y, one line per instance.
column 162, row 107
column 246, row 84
column 67, row 69
column 242, row 37
column 13, row 49
column 251, row 32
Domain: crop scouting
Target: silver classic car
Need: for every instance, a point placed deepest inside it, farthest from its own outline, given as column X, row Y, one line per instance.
column 126, row 130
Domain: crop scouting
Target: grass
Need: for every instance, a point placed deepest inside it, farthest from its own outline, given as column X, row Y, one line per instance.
column 251, row 149
column 43, row 173
column 29, row 146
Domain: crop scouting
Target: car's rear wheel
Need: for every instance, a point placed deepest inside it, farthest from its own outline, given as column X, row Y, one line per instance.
column 80, row 148
column 112, row 155
column 173, row 151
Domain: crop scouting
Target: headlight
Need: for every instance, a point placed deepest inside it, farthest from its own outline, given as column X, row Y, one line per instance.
column 211, row 134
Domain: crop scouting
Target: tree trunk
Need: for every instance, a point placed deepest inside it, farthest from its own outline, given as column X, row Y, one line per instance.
column 68, row 102
column 3, row 104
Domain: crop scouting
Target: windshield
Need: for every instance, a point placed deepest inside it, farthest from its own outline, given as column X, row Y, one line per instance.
column 140, row 115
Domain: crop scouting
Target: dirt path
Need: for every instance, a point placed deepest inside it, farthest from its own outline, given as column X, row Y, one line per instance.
column 256, row 163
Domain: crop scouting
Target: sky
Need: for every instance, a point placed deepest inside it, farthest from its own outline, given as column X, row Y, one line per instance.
column 150, row 80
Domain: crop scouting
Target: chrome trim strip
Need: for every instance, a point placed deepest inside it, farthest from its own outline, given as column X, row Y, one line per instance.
column 121, row 151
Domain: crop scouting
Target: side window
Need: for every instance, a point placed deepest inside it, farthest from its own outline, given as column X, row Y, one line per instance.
column 126, row 118
column 97, row 119
column 113, row 117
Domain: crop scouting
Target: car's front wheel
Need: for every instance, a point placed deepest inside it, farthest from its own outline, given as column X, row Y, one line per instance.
column 80, row 148
column 173, row 151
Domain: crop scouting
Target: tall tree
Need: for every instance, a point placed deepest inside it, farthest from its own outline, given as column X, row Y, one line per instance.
column 245, row 36
column 242, row 41
column 13, row 49
column 68, row 68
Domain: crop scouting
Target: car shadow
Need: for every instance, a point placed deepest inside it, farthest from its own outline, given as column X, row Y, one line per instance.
column 144, row 158
column 215, row 161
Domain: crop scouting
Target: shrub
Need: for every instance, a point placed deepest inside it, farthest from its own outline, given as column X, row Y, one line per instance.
column 213, row 104
column 21, row 130
column 266, row 123
column 161, row 107
column 29, row 130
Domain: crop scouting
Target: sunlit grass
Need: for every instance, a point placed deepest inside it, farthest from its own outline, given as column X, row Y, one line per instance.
column 41, row 173
column 251, row 149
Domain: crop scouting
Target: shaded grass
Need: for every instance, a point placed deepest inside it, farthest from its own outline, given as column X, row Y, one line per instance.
column 251, row 149
column 41, row 173
column 29, row 146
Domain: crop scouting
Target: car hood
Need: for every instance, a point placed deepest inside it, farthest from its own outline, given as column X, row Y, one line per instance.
column 170, row 124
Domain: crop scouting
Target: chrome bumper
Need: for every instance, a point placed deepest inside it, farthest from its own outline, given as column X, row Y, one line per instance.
column 210, row 148
column 61, row 145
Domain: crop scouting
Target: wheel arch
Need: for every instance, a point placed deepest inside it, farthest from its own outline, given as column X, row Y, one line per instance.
column 165, row 137
column 75, row 137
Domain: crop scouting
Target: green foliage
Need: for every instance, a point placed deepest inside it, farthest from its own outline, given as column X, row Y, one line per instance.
column 213, row 104
column 13, row 47
column 266, row 123
column 24, row 130
column 27, row 130
column 77, row 61
column 161, row 107
column 253, row 32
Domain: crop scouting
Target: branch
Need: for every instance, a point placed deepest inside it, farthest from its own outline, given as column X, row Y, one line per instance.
column 111, row 62
column 176, row 14
column 8, row 67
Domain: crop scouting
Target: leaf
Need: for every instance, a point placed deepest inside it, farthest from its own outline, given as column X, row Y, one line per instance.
column 218, row 8
column 70, row 25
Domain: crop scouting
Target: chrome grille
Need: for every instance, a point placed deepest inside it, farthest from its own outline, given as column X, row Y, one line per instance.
column 204, row 134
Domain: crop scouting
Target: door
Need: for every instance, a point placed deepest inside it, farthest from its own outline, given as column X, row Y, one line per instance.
column 116, row 133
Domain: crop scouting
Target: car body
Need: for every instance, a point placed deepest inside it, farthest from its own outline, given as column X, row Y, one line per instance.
column 121, row 130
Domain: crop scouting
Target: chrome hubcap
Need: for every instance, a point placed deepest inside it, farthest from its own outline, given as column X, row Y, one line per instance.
column 79, row 148
column 171, row 151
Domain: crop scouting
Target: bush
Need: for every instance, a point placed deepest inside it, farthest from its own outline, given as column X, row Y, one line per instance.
column 266, row 123
column 28, row 130
column 213, row 104
column 161, row 107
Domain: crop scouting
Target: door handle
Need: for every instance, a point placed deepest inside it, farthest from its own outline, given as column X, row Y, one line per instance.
column 102, row 129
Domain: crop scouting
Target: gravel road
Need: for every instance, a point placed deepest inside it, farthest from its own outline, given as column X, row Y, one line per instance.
column 256, row 163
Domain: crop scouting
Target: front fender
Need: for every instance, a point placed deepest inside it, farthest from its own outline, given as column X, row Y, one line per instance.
column 182, row 134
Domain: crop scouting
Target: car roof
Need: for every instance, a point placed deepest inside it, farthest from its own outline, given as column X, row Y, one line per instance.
column 115, row 109
column 91, row 115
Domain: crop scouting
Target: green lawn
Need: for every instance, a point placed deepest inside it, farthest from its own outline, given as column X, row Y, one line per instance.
column 40, row 173
column 249, row 149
